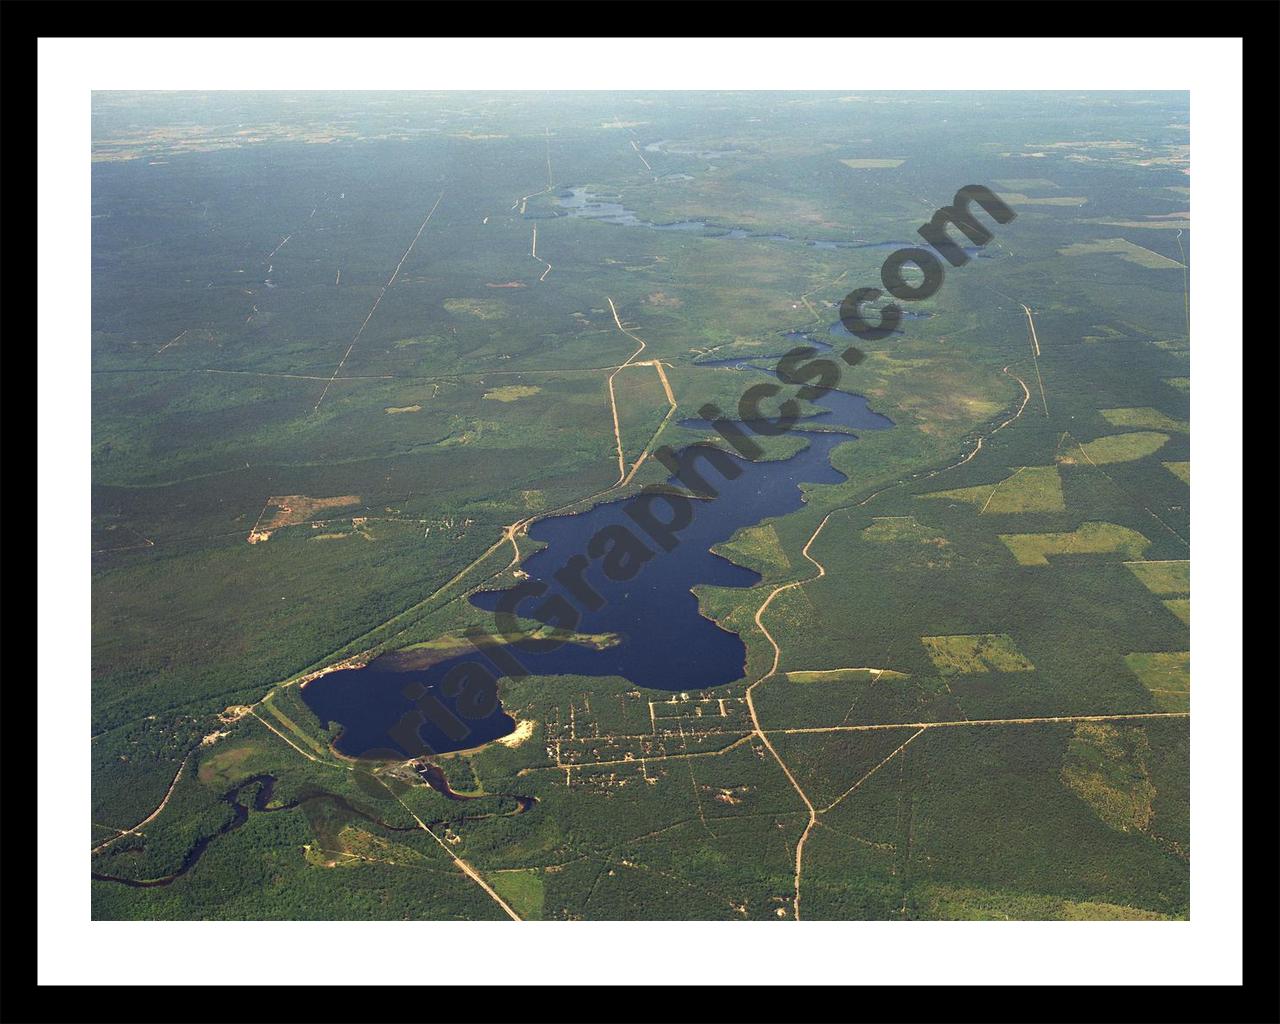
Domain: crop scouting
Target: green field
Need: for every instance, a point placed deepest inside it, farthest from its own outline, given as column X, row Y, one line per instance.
column 1115, row 448
column 1167, row 577
column 1147, row 419
column 1123, row 249
column 1028, row 489
column 1167, row 675
column 1088, row 539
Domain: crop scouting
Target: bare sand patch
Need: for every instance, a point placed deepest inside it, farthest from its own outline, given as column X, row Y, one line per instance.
column 292, row 509
column 522, row 732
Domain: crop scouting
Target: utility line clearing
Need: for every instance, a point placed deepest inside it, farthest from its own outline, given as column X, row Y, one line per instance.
column 390, row 281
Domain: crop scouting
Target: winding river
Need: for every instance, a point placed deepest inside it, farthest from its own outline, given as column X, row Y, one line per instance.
column 259, row 789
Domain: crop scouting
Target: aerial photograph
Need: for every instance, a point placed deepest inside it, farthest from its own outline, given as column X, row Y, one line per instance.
column 620, row 505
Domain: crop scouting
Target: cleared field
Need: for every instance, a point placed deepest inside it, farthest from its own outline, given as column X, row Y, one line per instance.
column 1023, row 183
column 228, row 765
column 1171, row 577
column 910, row 541
column 292, row 509
column 845, row 675
column 954, row 903
column 1146, row 418
column 1181, row 607
column 893, row 529
column 512, row 392
column 478, row 308
column 1168, row 224
column 360, row 845
column 1106, row 766
column 872, row 163
column 1115, row 448
column 1167, row 674
column 1017, row 199
column 524, row 889
column 1028, row 489
column 981, row 652
column 1125, row 250
column 1182, row 470
column 1089, row 539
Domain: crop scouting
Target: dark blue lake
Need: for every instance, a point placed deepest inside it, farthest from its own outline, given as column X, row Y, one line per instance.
column 666, row 644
